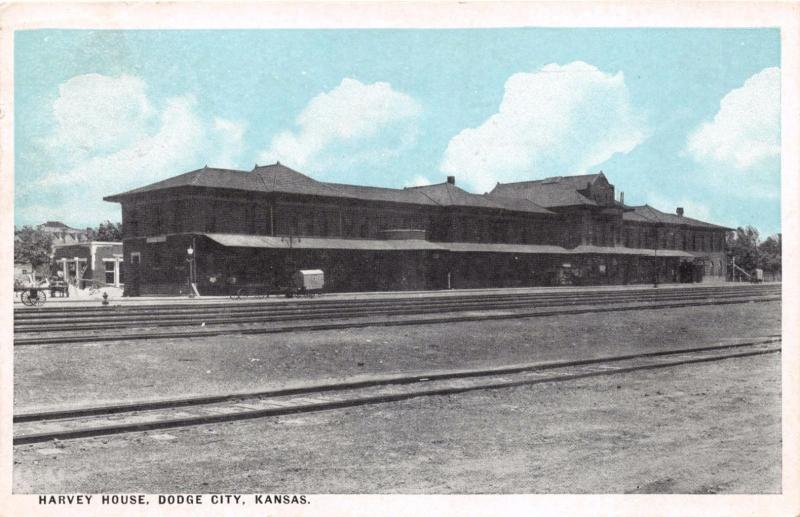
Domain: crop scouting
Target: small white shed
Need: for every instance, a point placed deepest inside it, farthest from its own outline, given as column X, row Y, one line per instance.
column 309, row 279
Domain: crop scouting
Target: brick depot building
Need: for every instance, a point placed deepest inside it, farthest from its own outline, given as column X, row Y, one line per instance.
column 256, row 228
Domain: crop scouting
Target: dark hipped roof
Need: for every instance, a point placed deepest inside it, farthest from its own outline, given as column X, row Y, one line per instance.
column 382, row 194
column 279, row 178
column 447, row 194
column 269, row 178
column 517, row 204
column 205, row 177
column 56, row 224
column 648, row 214
column 549, row 192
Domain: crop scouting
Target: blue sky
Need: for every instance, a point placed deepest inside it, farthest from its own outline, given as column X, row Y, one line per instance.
column 684, row 117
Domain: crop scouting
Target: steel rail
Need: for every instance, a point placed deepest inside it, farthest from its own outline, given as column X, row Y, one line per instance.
column 183, row 308
column 192, row 333
column 257, row 316
column 132, row 312
column 232, row 407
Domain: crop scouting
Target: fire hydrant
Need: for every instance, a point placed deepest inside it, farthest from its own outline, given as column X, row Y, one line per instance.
column 105, row 298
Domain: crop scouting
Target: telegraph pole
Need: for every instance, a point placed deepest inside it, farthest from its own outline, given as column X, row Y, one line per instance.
column 655, row 257
column 190, row 260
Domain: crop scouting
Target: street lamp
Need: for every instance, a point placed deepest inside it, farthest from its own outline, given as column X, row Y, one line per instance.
column 655, row 256
column 190, row 260
column 291, row 240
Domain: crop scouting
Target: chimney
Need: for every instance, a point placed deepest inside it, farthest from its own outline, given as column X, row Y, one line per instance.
column 621, row 198
column 679, row 211
column 451, row 180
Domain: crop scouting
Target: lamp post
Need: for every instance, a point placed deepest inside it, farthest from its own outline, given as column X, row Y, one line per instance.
column 190, row 260
column 655, row 256
column 291, row 239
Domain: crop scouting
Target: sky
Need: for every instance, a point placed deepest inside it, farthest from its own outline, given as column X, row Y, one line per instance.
column 673, row 117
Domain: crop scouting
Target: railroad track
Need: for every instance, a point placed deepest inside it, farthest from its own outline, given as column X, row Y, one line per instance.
column 54, row 326
column 72, row 423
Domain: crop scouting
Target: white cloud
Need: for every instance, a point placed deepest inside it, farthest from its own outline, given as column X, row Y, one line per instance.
column 351, row 124
column 149, row 158
column 418, row 181
column 97, row 113
column 746, row 130
column 557, row 120
column 109, row 138
column 228, row 137
column 691, row 208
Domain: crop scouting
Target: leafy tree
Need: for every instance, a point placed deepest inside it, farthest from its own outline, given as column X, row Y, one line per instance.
column 32, row 246
column 769, row 254
column 742, row 246
column 107, row 231
column 745, row 247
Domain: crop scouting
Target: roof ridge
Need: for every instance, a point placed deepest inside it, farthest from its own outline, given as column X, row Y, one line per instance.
column 449, row 189
column 260, row 178
column 524, row 198
column 335, row 185
column 424, row 186
column 429, row 197
column 651, row 218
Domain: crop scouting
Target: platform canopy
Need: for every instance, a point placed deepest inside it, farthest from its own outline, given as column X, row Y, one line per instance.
column 608, row 250
column 480, row 247
column 265, row 241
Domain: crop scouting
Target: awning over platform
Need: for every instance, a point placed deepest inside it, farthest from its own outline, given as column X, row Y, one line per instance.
column 480, row 247
column 608, row 250
column 265, row 241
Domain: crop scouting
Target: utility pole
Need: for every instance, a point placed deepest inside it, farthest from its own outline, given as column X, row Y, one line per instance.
column 655, row 257
column 192, row 273
column 290, row 239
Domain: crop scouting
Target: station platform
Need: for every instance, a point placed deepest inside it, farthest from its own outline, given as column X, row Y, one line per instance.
column 82, row 298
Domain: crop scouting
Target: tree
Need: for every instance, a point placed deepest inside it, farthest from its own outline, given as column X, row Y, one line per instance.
column 742, row 246
column 107, row 231
column 32, row 246
column 769, row 254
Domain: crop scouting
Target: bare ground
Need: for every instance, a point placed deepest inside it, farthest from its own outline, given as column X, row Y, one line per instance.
column 702, row 428
column 54, row 375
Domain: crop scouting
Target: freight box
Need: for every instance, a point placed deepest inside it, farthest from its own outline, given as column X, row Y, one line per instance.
column 309, row 280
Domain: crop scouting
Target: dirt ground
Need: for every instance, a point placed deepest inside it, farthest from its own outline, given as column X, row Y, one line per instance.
column 701, row 428
column 57, row 375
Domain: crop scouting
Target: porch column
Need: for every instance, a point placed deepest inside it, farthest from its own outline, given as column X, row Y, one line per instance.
column 117, row 261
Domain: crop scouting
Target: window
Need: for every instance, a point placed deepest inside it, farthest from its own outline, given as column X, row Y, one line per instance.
column 210, row 216
column 156, row 257
column 308, row 223
column 182, row 216
column 109, row 271
column 136, row 258
column 132, row 223
column 158, row 222
column 250, row 219
column 324, row 226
